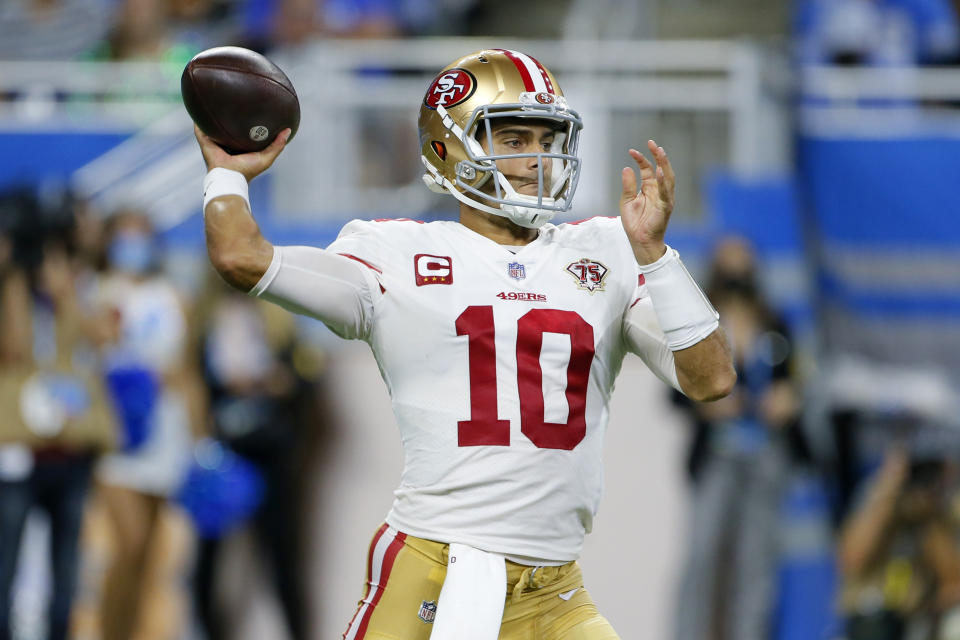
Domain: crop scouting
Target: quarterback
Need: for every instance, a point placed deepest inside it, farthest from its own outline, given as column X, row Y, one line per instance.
column 499, row 338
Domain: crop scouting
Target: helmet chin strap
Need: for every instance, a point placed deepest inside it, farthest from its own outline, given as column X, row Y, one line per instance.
column 527, row 214
column 530, row 217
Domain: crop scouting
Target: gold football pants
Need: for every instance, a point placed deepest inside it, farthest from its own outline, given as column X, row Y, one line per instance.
column 404, row 576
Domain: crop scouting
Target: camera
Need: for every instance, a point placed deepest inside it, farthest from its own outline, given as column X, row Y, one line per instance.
column 925, row 473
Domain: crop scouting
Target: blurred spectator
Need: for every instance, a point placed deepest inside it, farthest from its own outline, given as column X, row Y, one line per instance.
column 52, row 29
column 877, row 32
column 609, row 20
column 739, row 461
column 57, row 416
column 261, row 399
column 142, row 32
column 294, row 22
column 898, row 551
column 205, row 23
column 282, row 22
column 363, row 18
column 150, row 379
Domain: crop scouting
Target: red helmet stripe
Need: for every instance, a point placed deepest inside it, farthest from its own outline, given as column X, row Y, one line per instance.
column 522, row 68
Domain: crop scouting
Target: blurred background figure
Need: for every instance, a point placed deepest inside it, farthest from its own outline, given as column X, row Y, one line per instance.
column 899, row 548
column 141, row 31
column 169, row 31
column 740, row 459
column 148, row 369
column 295, row 23
column 57, row 417
column 262, row 386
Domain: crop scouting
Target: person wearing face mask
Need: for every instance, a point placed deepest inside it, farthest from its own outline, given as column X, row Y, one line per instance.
column 147, row 373
column 738, row 462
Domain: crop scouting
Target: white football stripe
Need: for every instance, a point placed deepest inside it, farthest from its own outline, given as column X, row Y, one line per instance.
column 376, row 569
column 535, row 74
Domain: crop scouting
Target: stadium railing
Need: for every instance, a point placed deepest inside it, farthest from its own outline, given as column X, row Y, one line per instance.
column 710, row 102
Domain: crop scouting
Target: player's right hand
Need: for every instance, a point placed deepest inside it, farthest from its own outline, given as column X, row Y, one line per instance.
column 249, row 164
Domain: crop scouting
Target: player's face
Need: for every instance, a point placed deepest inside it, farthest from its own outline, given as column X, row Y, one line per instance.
column 518, row 137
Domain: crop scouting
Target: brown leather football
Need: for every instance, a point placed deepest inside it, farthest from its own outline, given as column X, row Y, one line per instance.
column 239, row 98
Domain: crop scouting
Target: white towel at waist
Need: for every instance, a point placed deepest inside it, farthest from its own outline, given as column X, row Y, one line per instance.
column 471, row 600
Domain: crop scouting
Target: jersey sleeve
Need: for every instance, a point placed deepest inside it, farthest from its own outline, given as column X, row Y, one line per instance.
column 643, row 336
column 336, row 290
column 367, row 244
column 639, row 325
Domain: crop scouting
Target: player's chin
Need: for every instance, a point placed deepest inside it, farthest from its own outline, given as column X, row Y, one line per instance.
column 528, row 189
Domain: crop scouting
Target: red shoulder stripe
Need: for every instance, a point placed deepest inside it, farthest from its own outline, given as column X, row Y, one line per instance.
column 398, row 220
column 361, row 261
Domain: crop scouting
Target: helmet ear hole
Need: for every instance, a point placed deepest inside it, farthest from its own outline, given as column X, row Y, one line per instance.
column 439, row 148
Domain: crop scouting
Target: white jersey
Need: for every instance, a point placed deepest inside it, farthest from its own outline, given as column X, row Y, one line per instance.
column 500, row 362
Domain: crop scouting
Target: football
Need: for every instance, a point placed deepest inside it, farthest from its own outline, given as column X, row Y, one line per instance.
column 239, row 98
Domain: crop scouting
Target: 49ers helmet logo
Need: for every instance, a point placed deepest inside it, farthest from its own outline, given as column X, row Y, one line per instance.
column 450, row 88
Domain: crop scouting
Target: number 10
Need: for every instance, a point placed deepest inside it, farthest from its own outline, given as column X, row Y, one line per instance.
column 483, row 427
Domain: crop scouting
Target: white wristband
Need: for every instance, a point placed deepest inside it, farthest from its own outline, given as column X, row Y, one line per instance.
column 224, row 182
column 683, row 310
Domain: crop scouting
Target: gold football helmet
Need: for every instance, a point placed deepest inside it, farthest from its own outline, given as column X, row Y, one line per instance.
column 470, row 93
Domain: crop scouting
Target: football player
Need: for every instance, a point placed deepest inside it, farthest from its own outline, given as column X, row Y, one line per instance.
column 499, row 337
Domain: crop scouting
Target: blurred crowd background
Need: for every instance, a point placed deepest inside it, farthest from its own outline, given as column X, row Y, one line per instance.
column 180, row 461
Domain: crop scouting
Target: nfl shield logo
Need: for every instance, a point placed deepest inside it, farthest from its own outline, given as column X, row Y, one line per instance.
column 428, row 611
column 516, row 271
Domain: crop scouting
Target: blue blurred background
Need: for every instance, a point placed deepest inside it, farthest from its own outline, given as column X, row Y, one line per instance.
column 825, row 134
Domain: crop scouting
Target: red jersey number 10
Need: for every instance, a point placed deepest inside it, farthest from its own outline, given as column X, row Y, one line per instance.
column 483, row 427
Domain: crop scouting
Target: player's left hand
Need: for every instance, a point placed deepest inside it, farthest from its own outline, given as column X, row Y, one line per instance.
column 646, row 212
